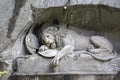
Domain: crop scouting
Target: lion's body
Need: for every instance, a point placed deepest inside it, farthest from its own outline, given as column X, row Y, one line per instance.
column 61, row 41
column 80, row 42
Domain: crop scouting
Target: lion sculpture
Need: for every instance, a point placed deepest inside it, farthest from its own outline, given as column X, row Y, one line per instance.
column 57, row 42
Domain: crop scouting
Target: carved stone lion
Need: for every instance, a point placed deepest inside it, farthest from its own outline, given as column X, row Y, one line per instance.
column 57, row 42
column 61, row 41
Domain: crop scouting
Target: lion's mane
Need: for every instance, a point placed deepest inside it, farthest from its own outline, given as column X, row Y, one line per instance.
column 58, row 33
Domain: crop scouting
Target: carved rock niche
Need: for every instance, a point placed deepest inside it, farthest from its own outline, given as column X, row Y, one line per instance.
column 85, row 21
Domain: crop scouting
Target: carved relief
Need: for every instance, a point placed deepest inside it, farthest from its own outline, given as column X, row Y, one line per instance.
column 57, row 42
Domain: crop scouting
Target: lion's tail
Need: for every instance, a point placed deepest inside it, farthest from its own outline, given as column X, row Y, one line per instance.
column 101, row 58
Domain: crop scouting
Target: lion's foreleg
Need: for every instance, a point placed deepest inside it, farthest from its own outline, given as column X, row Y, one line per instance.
column 61, row 54
column 64, row 51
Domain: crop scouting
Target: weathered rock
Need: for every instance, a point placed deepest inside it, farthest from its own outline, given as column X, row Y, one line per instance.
column 90, row 20
column 33, row 65
column 5, row 15
column 111, row 3
column 87, row 65
column 50, row 3
column 64, row 77
column 83, row 65
column 16, row 17
column 82, row 68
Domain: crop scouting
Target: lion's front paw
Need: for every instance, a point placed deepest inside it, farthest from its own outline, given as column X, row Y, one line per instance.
column 55, row 61
column 43, row 48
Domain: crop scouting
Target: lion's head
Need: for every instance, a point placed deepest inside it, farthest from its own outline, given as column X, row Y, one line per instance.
column 52, row 37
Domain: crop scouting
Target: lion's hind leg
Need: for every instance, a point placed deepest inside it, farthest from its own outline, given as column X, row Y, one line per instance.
column 101, row 44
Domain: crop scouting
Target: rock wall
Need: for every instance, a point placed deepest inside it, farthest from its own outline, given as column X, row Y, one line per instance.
column 89, row 16
column 50, row 3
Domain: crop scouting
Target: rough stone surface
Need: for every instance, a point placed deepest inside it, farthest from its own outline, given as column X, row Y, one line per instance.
column 83, row 65
column 90, row 20
column 112, row 3
column 64, row 77
column 50, row 3
column 5, row 15
column 16, row 18
column 88, row 65
column 40, row 65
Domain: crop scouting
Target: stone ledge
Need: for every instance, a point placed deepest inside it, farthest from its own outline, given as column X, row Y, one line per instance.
column 35, row 65
column 64, row 73
column 63, row 77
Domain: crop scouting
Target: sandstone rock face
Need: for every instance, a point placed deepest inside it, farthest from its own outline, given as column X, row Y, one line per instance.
column 5, row 14
column 92, row 17
column 74, row 66
column 82, row 68
column 17, row 17
column 50, row 3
